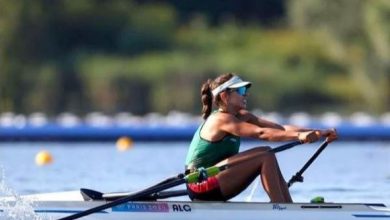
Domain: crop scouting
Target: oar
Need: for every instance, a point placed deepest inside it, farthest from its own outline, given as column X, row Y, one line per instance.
column 298, row 176
column 90, row 195
column 285, row 147
column 168, row 183
column 181, row 179
column 93, row 195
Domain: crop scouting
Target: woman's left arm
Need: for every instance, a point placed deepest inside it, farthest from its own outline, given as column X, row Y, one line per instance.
column 253, row 119
column 330, row 134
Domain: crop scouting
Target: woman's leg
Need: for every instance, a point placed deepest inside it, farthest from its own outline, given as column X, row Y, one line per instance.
column 246, row 166
column 286, row 192
column 269, row 172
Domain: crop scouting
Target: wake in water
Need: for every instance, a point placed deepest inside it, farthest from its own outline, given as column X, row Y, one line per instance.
column 13, row 206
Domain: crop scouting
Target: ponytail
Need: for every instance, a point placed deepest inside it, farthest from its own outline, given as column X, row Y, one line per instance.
column 207, row 96
column 207, row 99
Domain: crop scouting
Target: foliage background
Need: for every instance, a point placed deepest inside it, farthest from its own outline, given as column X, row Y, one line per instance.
column 152, row 56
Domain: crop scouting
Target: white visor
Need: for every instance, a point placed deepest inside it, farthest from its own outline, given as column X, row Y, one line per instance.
column 234, row 82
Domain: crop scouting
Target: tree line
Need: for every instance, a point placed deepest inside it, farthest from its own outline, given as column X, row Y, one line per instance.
column 152, row 56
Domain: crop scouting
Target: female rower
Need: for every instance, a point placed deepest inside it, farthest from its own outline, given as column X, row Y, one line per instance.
column 217, row 142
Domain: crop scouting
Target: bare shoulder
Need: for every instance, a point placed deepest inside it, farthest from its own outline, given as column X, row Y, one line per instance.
column 246, row 115
column 245, row 112
column 213, row 127
column 223, row 117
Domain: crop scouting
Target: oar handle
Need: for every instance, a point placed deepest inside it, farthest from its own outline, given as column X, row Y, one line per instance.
column 285, row 147
column 194, row 177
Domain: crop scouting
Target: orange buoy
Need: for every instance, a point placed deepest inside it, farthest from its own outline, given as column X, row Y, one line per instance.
column 124, row 143
column 43, row 158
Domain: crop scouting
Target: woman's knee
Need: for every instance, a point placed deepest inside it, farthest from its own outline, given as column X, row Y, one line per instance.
column 257, row 151
column 261, row 148
column 261, row 153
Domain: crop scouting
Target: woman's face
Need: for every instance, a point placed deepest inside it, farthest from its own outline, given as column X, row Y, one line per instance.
column 237, row 98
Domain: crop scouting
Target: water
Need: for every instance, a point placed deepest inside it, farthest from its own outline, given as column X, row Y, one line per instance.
column 344, row 172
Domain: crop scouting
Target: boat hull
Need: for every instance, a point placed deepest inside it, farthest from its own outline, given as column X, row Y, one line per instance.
column 211, row 210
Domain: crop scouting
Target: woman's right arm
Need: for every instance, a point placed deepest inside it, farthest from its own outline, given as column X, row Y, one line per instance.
column 231, row 124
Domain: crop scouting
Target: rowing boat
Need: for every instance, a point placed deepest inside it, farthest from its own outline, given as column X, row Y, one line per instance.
column 62, row 204
column 155, row 202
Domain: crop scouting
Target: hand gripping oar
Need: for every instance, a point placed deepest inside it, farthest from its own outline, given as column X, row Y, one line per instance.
column 298, row 176
column 168, row 183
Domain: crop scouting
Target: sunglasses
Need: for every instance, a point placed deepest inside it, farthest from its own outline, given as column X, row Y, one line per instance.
column 242, row 91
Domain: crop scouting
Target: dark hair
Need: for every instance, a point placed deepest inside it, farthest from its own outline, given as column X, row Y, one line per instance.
column 206, row 95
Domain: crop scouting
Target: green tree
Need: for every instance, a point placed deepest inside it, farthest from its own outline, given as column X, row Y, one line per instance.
column 357, row 35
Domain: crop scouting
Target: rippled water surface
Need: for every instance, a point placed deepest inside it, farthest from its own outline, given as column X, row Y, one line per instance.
column 344, row 172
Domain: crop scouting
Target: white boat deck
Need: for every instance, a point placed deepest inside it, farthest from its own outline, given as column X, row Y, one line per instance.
column 62, row 204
